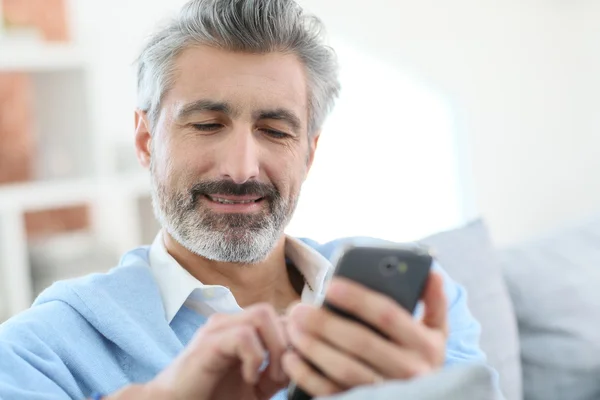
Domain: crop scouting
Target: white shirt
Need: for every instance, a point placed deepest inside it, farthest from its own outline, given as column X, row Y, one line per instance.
column 178, row 287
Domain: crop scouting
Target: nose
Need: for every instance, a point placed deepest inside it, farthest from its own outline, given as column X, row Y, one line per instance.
column 239, row 158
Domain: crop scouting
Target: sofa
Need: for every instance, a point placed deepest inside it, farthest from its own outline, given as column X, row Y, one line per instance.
column 538, row 304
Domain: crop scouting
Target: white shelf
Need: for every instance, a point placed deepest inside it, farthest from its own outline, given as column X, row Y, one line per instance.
column 69, row 106
column 14, row 264
column 37, row 56
column 112, row 199
column 40, row 195
column 59, row 193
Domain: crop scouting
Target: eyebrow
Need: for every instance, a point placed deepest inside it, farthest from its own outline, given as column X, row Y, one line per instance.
column 280, row 114
column 205, row 105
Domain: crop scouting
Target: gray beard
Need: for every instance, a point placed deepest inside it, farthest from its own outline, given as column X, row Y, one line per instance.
column 232, row 238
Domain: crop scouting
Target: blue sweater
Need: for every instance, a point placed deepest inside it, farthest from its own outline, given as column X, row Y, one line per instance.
column 105, row 331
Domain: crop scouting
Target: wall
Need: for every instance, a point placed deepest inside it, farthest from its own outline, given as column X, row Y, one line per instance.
column 111, row 34
column 376, row 172
column 367, row 164
column 523, row 76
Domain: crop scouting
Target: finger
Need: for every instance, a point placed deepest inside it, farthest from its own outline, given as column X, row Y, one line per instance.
column 291, row 306
column 242, row 343
column 377, row 310
column 345, row 371
column 268, row 325
column 434, row 299
column 306, row 377
column 383, row 356
column 285, row 320
column 267, row 387
column 272, row 333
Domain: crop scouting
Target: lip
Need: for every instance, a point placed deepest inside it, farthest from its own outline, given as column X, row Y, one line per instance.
column 234, row 198
column 255, row 205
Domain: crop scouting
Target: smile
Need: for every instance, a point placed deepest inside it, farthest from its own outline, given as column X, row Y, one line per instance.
column 234, row 199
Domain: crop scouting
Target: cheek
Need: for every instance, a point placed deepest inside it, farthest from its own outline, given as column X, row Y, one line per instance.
column 287, row 174
column 167, row 172
column 159, row 164
column 182, row 163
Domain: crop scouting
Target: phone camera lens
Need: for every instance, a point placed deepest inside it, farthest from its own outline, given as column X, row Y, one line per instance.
column 388, row 265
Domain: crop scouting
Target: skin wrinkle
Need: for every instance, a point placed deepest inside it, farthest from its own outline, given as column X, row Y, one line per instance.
column 243, row 247
column 238, row 114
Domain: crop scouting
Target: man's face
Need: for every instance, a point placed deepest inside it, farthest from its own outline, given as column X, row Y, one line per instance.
column 229, row 151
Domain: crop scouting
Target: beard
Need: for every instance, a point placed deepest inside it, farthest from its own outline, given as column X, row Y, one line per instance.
column 244, row 238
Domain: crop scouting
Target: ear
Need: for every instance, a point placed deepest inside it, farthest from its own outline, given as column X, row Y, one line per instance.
column 312, row 147
column 143, row 138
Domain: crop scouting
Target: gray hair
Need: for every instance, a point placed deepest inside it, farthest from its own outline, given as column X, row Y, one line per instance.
column 254, row 26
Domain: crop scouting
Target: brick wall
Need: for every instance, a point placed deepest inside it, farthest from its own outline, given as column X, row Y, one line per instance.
column 16, row 126
column 55, row 221
column 17, row 116
column 49, row 16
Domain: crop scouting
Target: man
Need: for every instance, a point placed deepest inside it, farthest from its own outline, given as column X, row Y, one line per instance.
column 232, row 97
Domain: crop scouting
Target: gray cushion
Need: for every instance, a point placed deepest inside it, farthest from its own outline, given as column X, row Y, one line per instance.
column 468, row 256
column 455, row 383
column 555, row 286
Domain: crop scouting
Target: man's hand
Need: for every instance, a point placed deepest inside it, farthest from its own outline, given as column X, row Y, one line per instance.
column 349, row 354
column 223, row 360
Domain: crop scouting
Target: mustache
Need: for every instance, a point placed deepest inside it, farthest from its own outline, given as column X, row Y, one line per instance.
column 227, row 187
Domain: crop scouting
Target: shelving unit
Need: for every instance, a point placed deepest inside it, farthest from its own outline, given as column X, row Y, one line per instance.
column 115, row 199
column 44, row 195
column 76, row 164
column 118, row 197
column 19, row 55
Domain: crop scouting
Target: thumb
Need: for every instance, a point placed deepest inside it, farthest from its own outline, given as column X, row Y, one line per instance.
column 435, row 303
column 290, row 307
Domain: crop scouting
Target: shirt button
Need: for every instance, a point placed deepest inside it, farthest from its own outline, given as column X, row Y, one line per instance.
column 209, row 293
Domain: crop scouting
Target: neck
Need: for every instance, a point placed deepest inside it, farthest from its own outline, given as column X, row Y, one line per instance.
column 266, row 282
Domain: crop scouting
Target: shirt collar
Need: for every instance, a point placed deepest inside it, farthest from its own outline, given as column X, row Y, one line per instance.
column 176, row 284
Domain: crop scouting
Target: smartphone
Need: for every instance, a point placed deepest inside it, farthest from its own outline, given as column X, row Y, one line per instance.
column 397, row 271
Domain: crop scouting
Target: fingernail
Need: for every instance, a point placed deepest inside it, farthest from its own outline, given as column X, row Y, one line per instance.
column 291, row 359
column 300, row 313
column 292, row 306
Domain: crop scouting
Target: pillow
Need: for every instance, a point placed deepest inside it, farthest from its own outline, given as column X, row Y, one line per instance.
column 454, row 383
column 555, row 285
column 467, row 254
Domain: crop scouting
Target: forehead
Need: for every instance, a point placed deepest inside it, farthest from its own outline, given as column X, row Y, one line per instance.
column 246, row 81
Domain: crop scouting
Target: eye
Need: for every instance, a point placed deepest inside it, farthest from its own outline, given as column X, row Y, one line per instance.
column 207, row 127
column 275, row 134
